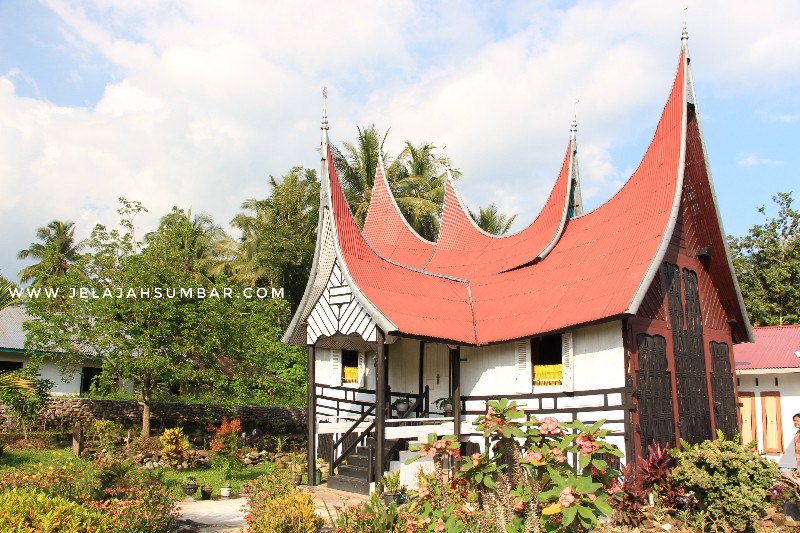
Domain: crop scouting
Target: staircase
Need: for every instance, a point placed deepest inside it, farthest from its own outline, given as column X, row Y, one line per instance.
column 355, row 475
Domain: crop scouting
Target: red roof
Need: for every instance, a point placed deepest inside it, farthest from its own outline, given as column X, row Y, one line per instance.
column 416, row 302
column 463, row 249
column 774, row 347
column 479, row 289
column 388, row 231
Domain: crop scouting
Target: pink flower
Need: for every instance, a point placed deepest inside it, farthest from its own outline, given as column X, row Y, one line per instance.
column 476, row 459
column 519, row 506
column 559, row 455
column 423, row 492
column 614, row 487
column 439, row 526
column 549, row 426
column 532, row 456
column 566, row 497
column 587, row 444
column 592, row 496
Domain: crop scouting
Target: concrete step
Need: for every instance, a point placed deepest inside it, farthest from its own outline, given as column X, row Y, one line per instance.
column 349, row 484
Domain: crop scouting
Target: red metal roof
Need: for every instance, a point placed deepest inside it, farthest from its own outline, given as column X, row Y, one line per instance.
column 594, row 271
column 418, row 303
column 463, row 249
column 774, row 347
column 478, row 289
column 387, row 230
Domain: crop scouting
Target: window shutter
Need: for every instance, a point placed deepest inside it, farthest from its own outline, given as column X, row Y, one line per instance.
column 523, row 366
column 771, row 422
column 747, row 412
column 567, row 362
column 336, row 368
column 362, row 370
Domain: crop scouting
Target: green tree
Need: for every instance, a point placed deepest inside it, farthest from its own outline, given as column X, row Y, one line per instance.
column 356, row 168
column 767, row 261
column 491, row 220
column 278, row 235
column 417, row 179
column 55, row 253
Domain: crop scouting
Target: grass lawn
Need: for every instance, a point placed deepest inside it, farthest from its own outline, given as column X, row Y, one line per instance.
column 209, row 476
column 173, row 478
column 16, row 458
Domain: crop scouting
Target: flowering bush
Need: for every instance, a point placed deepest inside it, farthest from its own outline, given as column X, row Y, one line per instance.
column 226, row 447
column 523, row 477
column 264, row 489
column 133, row 499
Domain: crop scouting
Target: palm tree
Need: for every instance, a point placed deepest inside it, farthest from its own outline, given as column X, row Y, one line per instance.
column 490, row 220
column 417, row 179
column 55, row 253
column 356, row 168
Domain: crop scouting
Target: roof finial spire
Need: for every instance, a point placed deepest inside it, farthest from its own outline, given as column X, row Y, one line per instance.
column 325, row 115
column 573, row 129
column 685, row 32
column 447, row 168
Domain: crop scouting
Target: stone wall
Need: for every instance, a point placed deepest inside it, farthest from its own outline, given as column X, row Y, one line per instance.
column 62, row 413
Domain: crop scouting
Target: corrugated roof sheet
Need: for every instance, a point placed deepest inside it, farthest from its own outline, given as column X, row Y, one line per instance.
column 12, row 336
column 480, row 289
column 775, row 347
column 387, row 230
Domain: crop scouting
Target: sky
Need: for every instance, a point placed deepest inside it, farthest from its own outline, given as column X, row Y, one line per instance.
column 195, row 103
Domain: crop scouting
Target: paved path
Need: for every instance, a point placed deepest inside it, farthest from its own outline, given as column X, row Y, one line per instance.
column 226, row 515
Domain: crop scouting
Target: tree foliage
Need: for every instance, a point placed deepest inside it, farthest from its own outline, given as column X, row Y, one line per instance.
column 155, row 339
column 491, row 220
column 55, row 253
column 767, row 261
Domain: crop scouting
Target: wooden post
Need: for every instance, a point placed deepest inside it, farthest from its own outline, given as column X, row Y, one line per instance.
column 455, row 359
column 77, row 439
column 380, row 406
column 311, row 417
column 421, row 408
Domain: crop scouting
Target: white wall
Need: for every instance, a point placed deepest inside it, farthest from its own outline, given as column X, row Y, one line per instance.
column 404, row 366
column 51, row 371
column 789, row 388
column 488, row 370
column 599, row 357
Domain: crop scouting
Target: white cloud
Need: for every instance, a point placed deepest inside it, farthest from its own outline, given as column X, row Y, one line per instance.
column 205, row 99
column 753, row 159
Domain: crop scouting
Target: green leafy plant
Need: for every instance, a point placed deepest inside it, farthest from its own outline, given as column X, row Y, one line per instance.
column 174, row 445
column 106, row 432
column 290, row 512
column 22, row 403
column 441, row 403
column 390, row 482
column 226, row 448
column 730, row 480
column 31, row 510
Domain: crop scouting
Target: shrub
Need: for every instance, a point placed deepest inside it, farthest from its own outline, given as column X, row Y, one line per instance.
column 372, row 516
column 277, row 484
column 174, row 446
column 106, row 432
column 32, row 511
column 63, row 478
column 292, row 513
column 226, row 447
column 730, row 481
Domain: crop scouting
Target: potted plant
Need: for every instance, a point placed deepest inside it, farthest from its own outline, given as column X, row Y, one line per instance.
column 189, row 485
column 206, row 491
column 391, row 487
column 296, row 463
column 445, row 405
column 225, row 490
column 402, row 405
